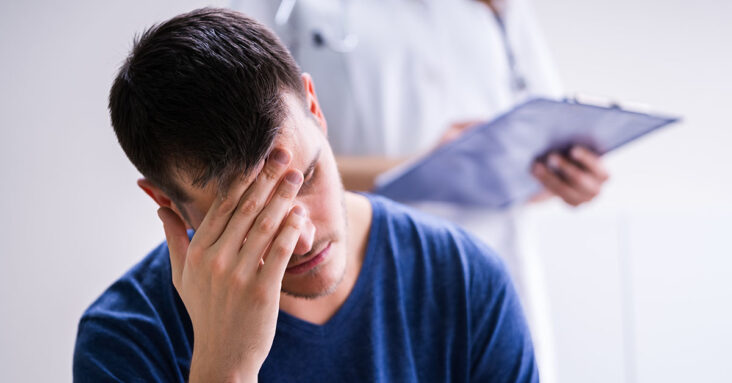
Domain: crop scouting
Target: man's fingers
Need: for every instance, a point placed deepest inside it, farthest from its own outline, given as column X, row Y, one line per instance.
column 269, row 221
column 177, row 237
column 554, row 184
column 307, row 236
column 590, row 161
column 223, row 207
column 283, row 246
column 252, row 203
column 218, row 215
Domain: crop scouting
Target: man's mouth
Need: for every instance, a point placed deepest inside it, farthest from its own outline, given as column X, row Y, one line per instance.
column 310, row 261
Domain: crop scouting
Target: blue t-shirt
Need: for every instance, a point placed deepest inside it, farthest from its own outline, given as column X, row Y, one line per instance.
column 431, row 304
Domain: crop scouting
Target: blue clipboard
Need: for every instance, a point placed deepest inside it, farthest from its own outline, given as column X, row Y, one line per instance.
column 489, row 166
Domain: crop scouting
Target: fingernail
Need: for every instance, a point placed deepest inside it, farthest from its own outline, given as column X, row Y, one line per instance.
column 294, row 177
column 553, row 161
column 575, row 153
column 280, row 156
column 298, row 210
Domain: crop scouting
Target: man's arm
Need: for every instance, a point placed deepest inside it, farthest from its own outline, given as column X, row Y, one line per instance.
column 230, row 289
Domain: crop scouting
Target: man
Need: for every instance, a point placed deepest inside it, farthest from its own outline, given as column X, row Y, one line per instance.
column 287, row 277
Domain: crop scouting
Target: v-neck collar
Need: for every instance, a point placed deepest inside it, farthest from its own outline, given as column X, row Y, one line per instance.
column 318, row 333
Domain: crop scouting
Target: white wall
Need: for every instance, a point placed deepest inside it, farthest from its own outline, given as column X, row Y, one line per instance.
column 637, row 280
column 72, row 219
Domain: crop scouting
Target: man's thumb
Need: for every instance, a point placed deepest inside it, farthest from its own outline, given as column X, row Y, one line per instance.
column 177, row 237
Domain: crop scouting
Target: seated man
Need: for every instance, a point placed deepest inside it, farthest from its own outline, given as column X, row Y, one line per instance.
column 287, row 277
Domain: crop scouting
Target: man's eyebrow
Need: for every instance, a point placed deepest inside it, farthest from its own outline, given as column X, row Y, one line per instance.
column 313, row 162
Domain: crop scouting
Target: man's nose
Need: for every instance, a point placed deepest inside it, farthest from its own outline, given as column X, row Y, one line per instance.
column 305, row 242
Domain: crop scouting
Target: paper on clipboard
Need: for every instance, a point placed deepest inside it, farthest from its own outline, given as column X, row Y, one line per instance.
column 489, row 166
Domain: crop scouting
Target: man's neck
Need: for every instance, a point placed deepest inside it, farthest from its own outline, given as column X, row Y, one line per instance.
column 320, row 310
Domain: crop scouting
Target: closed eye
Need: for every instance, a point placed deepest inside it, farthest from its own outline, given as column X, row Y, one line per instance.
column 309, row 181
column 310, row 173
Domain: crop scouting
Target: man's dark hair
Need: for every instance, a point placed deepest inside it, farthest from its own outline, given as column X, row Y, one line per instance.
column 202, row 95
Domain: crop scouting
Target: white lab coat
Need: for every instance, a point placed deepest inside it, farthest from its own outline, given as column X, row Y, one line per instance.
column 393, row 75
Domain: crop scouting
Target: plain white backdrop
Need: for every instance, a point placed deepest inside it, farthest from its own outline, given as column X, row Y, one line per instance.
column 639, row 280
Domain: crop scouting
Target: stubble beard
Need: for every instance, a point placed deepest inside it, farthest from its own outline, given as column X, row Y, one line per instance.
column 333, row 286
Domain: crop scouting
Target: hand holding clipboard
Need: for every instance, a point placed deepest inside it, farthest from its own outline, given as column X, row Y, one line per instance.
column 489, row 166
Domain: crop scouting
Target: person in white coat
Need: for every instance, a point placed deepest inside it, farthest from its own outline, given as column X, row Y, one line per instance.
column 398, row 77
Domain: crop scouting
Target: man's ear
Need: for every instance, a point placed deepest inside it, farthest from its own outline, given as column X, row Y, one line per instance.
column 160, row 197
column 312, row 102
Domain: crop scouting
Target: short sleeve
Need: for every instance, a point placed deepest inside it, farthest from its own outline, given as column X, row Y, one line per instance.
column 130, row 350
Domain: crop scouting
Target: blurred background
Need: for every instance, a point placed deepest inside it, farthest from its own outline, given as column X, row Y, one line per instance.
column 642, row 294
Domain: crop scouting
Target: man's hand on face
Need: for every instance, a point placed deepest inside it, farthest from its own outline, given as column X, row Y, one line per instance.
column 577, row 178
column 230, row 274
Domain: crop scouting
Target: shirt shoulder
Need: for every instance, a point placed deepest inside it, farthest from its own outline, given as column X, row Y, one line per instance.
column 137, row 330
column 436, row 258
column 455, row 287
column 417, row 235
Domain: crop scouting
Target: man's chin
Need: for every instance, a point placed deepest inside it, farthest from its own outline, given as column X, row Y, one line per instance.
column 316, row 283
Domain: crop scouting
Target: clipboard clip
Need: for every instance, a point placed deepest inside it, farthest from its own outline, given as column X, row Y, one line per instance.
column 607, row 102
column 585, row 99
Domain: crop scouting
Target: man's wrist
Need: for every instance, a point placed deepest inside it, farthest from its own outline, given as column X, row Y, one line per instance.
column 197, row 376
column 202, row 371
column 247, row 377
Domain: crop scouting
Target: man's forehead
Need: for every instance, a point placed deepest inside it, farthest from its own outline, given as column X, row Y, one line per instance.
column 291, row 136
column 288, row 138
